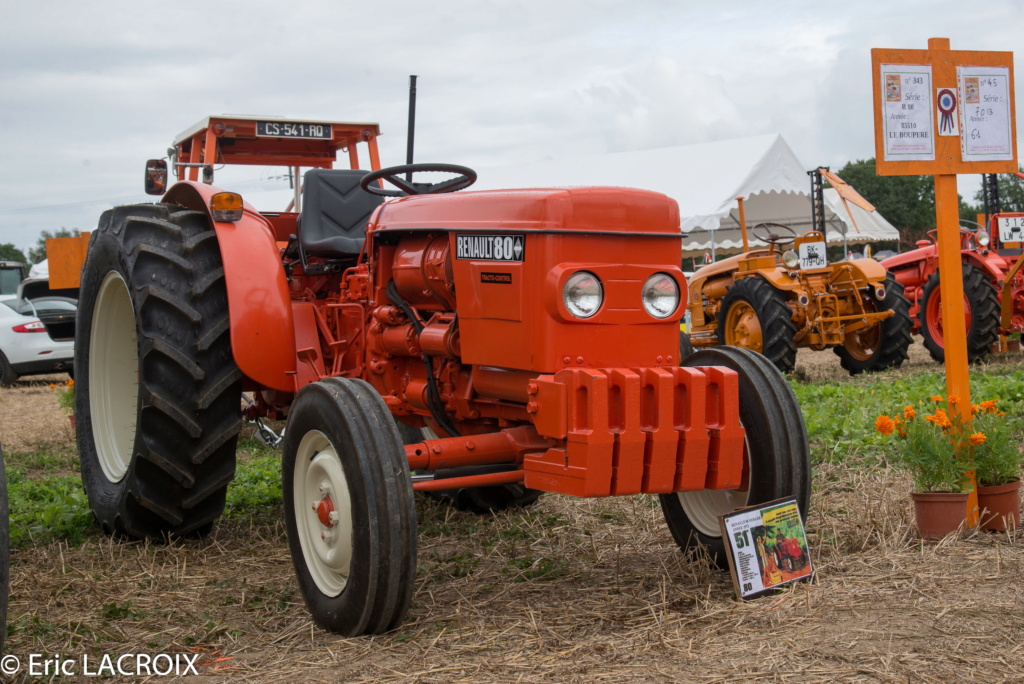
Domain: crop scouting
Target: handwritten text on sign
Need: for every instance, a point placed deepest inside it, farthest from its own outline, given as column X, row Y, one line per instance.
column 986, row 133
column 907, row 121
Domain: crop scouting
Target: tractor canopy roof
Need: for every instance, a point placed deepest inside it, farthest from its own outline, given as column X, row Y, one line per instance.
column 272, row 141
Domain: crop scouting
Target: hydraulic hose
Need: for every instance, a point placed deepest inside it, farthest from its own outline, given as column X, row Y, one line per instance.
column 433, row 396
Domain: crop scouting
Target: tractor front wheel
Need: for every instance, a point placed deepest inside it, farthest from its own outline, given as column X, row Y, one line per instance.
column 981, row 314
column 883, row 345
column 754, row 316
column 157, row 398
column 685, row 346
column 778, row 455
column 349, row 510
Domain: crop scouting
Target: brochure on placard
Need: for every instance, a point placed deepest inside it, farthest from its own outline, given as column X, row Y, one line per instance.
column 766, row 547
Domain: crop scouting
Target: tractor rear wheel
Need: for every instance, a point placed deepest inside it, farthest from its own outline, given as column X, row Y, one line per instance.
column 885, row 344
column 778, row 455
column 754, row 316
column 486, row 499
column 981, row 314
column 349, row 509
column 157, row 399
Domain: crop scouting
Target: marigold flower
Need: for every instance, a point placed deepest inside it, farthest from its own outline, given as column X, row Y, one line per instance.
column 953, row 399
column 936, row 398
column 989, row 406
column 52, row 386
column 909, row 413
column 975, row 410
column 71, row 382
column 885, row 425
column 977, row 438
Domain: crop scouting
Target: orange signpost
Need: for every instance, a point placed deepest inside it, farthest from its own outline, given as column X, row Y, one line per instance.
column 942, row 112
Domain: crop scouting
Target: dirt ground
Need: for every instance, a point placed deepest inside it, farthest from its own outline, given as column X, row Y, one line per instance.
column 573, row 590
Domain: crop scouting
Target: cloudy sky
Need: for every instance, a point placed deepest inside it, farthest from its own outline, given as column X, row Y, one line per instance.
column 89, row 91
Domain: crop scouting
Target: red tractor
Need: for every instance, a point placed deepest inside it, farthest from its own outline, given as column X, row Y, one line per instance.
column 787, row 553
column 535, row 331
column 983, row 270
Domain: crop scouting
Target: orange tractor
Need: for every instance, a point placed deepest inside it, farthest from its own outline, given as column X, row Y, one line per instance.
column 535, row 331
column 773, row 302
column 993, row 283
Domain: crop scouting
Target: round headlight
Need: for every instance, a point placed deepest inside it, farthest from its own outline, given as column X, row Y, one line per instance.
column 583, row 294
column 660, row 295
column 791, row 259
column 982, row 237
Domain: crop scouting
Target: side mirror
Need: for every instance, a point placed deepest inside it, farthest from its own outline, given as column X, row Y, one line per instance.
column 156, row 177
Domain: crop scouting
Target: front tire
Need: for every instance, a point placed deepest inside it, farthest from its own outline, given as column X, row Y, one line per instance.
column 158, row 393
column 883, row 345
column 778, row 455
column 982, row 310
column 754, row 316
column 349, row 508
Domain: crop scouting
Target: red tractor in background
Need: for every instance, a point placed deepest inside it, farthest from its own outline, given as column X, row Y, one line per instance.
column 993, row 286
column 535, row 331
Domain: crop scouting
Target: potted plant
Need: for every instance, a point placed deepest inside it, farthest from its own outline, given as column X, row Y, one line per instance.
column 997, row 466
column 66, row 398
column 937, row 452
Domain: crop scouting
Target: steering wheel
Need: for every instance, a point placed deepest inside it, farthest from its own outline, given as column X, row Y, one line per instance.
column 466, row 177
column 766, row 232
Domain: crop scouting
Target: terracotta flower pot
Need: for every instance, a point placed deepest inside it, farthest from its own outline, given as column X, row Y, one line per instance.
column 939, row 513
column 72, row 419
column 999, row 506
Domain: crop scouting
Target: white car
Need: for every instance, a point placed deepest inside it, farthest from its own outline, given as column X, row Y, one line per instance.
column 37, row 336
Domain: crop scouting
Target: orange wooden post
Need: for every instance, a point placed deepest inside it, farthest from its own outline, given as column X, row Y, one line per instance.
column 946, row 151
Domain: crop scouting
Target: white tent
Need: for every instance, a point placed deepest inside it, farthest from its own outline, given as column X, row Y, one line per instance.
column 705, row 180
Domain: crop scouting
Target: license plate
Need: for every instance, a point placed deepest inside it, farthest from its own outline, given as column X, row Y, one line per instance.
column 1011, row 228
column 293, row 129
column 812, row 255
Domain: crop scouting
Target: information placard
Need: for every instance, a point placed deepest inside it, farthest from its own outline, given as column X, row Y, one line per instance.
column 766, row 547
column 985, row 113
column 907, row 112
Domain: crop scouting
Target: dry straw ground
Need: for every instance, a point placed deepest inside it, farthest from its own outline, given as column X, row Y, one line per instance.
column 573, row 590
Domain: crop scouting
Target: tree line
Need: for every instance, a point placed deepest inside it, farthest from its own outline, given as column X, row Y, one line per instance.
column 8, row 252
column 908, row 202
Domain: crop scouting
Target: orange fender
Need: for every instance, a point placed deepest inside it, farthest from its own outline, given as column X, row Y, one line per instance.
column 262, row 328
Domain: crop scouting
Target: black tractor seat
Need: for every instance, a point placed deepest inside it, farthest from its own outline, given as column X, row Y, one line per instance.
column 335, row 211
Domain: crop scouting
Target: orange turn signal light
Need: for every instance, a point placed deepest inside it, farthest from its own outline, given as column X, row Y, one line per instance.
column 226, row 206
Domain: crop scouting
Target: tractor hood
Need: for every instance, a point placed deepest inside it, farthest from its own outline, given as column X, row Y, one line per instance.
column 597, row 209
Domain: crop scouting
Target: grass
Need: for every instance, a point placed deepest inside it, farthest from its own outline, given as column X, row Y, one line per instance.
column 48, row 503
column 840, row 416
column 569, row 590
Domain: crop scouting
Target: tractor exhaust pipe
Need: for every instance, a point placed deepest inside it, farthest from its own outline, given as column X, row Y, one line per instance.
column 412, row 125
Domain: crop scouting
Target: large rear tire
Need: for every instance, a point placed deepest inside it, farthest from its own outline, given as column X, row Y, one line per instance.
column 981, row 309
column 349, row 510
column 778, row 455
column 754, row 316
column 157, row 399
column 885, row 344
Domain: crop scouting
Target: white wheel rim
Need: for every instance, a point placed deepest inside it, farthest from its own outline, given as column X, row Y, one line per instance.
column 327, row 549
column 703, row 507
column 113, row 376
